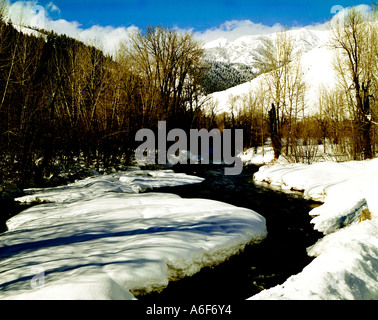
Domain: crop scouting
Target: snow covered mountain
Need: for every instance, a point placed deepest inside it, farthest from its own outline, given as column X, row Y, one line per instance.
column 316, row 62
column 243, row 49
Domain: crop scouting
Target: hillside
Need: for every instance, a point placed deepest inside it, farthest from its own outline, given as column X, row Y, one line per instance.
column 221, row 76
column 316, row 62
column 244, row 49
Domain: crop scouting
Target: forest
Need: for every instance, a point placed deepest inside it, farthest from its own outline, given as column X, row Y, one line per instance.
column 221, row 76
column 344, row 124
column 63, row 102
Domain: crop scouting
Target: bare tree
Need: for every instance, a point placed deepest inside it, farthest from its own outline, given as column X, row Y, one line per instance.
column 168, row 63
column 335, row 124
column 283, row 80
column 355, row 38
column 252, row 117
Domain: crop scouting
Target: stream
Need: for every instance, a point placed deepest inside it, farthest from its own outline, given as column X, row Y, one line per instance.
column 261, row 266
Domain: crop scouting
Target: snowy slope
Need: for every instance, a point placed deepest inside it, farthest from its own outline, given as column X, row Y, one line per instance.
column 316, row 63
column 101, row 239
column 243, row 50
column 346, row 264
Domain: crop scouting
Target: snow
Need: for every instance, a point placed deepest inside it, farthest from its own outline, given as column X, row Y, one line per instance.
column 345, row 268
column 243, row 49
column 345, row 188
column 258, row 156
column 133, row 181
column 100, row 238
column 221, row 42
column 346, row 263
column 316, row 64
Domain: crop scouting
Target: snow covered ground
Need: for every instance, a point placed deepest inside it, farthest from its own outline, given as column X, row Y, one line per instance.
column 316, row 65
column 312, row 153
column 258, row 156
column 346, row 263
column 100, row 238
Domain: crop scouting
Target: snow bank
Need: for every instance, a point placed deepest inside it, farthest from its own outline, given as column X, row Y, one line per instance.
column 100, row 239
column 346, row 268
column 345, row 188
column 133, row 181
column 316, row 153
column 258, row 156
column 346, row 264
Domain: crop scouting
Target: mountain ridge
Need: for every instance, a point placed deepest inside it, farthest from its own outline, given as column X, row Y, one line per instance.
column 316, row 63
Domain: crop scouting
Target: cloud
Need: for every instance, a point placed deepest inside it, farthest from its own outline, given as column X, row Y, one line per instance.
column 28, row 13
column 106, row 38
column 109, row 37
column 53, row 8
column 231, row 30
column 340, row 12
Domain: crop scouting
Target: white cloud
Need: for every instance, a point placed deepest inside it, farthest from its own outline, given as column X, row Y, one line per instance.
column 28, row 13
column 342, row 12
column 53, row 8
column 107, row 38
column 231, row 30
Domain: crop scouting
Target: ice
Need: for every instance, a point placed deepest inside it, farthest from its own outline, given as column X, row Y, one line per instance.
column 101, row 239
column 346, row 263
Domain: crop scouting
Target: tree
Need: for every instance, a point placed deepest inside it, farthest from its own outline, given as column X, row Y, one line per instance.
column 252, row 118
column 334, row 123
column 168, row 63
column 283, row 80
column 3, row 11
column 355, row 38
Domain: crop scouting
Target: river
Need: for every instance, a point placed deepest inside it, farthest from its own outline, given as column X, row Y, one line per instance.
column 261, row 266
column 281, row 255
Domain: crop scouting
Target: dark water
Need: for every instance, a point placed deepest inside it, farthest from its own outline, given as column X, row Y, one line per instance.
column 261, row 266
column 8, row 209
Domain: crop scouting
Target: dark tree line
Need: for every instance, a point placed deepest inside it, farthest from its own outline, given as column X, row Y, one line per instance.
column 221, row 76
column 63, row 102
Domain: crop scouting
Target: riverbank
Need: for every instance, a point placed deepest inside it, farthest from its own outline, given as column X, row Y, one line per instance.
column 11, row 190
column 9, row 208
column 342, row 265
column 100, row 238
column 346, row 259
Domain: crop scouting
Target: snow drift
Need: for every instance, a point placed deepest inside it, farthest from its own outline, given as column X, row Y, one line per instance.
column 346, row 263
column 101, row 239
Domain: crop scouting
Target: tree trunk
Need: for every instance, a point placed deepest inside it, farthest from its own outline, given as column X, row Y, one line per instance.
column 275, row 133
column 367, row 144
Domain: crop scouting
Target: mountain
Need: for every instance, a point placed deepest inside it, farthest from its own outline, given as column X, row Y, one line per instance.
column 316, row 62
column 244, row 49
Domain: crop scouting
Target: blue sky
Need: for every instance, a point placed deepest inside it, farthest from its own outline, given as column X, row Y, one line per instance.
column 194, row 14
column 109, row 23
